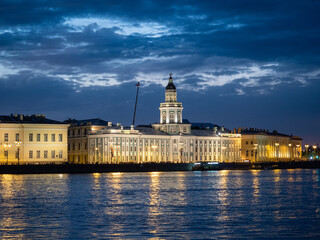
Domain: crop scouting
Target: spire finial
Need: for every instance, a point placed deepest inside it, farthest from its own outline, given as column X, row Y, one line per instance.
column 170, row 74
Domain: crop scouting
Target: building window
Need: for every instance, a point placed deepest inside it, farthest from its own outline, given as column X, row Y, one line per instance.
column 79, row 146
column 30, row 154
column 17, row 154
column 247, row 153
column 251, row 142
column 73, row 146
column 53, row 137
column 45, row 154
column 30, row 137
column 60, row 137
column 60, row 154
column 246, row 142
column 251, row 153
column 85, row 131
column 38, row 154
column 53, row 154
column 6, row 137
column 6, row 153
column 38, row 137
column 79, row 132
column 45, row 137
column 85, row 146
column 17, row 137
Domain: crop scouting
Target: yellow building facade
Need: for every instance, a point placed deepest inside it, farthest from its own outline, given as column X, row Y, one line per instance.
column 78, row 138
column 32, row 140
column 258, row 145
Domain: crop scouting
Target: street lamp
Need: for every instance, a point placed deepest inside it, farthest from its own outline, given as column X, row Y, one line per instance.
column 154, row 147
column 277, row 150
column 290, row 151
column 256, row 151
column 181, row 151
column 6, row 147
column 307, row 150
column 18, row 143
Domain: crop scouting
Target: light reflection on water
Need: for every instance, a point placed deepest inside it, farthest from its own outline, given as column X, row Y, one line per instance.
column 161, row 205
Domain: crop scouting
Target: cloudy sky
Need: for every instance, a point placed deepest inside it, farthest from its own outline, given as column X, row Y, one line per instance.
column 235, row 63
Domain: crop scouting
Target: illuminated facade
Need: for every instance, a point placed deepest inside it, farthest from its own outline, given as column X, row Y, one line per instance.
column 259, row 145
column 32, row 139
column 171, row 140
column 78, row 140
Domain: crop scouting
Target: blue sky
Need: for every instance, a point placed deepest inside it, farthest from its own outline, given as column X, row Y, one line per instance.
column 235, row 63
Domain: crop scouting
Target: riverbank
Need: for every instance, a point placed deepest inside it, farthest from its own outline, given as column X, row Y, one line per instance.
column 149, row 167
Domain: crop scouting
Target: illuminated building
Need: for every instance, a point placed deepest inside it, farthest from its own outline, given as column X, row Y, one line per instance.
column 77, row 137
column 32, row 139
column 170, row 140
column 259, row 145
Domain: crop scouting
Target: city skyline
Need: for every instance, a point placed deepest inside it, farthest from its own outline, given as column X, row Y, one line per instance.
column 236, row 65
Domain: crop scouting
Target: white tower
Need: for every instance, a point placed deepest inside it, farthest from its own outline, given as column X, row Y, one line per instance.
column 171, row 112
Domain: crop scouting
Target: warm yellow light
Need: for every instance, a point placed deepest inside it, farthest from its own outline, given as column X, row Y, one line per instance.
column 290, row 144
column 306, row 146
column 277, row 144
column 314, row 147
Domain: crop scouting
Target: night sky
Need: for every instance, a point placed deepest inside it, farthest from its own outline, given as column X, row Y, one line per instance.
column 234, row 63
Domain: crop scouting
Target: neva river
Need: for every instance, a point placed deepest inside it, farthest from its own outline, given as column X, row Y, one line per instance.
column 279, row 204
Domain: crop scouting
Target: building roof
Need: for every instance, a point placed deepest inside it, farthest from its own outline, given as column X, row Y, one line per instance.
column 255, row 131
column 92, row 121
column 32, row 119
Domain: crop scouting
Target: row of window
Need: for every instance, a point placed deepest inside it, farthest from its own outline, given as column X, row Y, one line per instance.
column 77, row 132
column 45, row 154
column 38, row 154
column 6, row 137
column 74, row 146
column 45, row 137
column 38, row 137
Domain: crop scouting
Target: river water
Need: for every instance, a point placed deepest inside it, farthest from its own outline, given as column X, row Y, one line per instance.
column 281, row 204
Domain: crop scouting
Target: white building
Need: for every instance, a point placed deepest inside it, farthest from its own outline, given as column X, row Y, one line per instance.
column 171, row 140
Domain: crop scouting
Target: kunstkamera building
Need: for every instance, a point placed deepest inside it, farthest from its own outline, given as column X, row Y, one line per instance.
column 170, row 140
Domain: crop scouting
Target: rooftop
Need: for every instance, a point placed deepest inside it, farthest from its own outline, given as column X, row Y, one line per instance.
column 31, row 119
column 92, row 121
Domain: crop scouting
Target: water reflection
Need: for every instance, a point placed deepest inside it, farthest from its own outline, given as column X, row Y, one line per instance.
column 161, row 205
column 12, row 222
column 154, row 209
column 223, row 195
column 255, row 184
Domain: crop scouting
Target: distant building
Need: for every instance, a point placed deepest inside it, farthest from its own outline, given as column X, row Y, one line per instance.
column 259, row 145
column 32, row 139
column 78, row 140
column 170, row 140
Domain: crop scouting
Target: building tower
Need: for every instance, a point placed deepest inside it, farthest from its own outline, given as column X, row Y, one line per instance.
column 171, row 112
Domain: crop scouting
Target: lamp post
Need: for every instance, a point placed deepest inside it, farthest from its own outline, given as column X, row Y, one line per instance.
column 307, row 150
column 6, row 147
column 18, row 143
column 290, row 151
column 154, row 147
column 256, row 151
column 181, row 151
column 277, row 150
column 298, row 150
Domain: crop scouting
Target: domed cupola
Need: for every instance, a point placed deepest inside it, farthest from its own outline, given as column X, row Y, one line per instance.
column 170, row 85
column 171, row 113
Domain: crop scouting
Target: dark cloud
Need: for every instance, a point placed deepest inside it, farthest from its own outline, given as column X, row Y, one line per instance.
column 229, row 58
